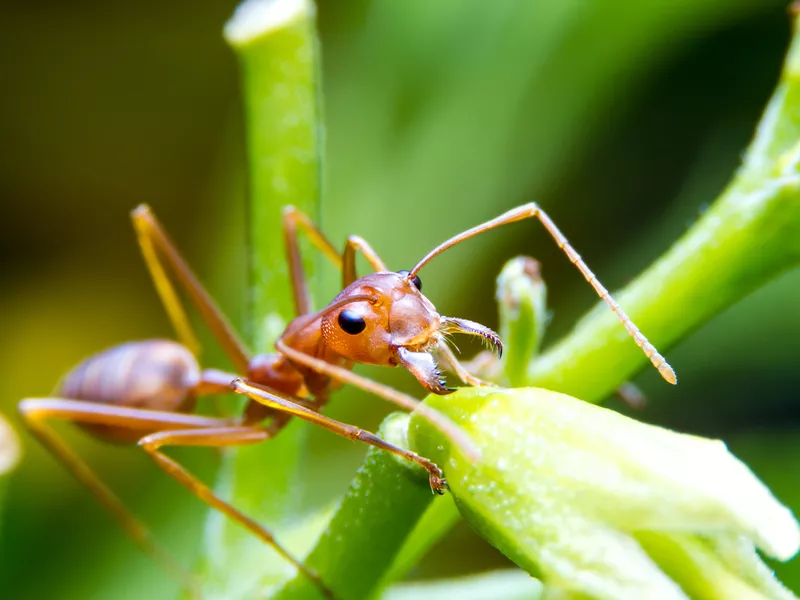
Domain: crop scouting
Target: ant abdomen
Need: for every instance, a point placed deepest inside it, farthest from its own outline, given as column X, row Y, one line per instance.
column 150, row 374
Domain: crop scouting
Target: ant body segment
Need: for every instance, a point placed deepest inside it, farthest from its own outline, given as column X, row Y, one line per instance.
column 146, row 391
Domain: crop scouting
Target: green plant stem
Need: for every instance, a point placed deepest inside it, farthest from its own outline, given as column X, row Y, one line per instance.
column 440, row 518
column 277, row 47
column 379, row 511
column 279, row 57
column 749, row 236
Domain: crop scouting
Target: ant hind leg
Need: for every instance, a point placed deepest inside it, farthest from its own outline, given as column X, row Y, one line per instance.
column 160, row 252
column 220, row 437
column 36, row 411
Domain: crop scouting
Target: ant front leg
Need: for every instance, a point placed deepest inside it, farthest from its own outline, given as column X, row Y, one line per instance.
column 275, row 402
column 292, row 219
column 346, row 263
column 358, row 244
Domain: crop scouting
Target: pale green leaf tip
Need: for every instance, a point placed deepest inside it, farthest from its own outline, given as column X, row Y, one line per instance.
column 9, row 447
column 255, row 18
column 779, row 532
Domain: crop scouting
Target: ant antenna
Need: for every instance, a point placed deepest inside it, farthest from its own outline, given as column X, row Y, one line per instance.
column 532, row 210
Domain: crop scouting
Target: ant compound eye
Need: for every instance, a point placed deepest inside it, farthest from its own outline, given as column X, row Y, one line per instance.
column 416, row 281
column 351, row 322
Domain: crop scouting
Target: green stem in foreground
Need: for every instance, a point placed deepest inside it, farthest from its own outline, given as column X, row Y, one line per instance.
column 749, row 236
column 388, row 496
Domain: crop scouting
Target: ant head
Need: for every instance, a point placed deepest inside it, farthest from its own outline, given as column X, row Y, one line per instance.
column 387, row 311
column 383, row 319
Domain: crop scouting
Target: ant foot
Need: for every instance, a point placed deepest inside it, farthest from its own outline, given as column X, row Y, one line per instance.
column 438, row 482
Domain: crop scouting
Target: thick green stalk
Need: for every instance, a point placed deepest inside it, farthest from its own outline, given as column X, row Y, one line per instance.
column 277, row 47
column 439, row 519
column 749, row 236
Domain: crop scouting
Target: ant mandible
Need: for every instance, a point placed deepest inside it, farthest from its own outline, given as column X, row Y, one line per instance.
column 146, row 391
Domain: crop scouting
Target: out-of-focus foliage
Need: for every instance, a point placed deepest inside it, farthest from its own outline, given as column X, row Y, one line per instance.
column 624, row 120
column 9, row 456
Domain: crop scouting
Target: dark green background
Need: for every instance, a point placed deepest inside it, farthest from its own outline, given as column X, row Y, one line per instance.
column 624, row 119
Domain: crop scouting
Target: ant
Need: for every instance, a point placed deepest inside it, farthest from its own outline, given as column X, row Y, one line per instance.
column 146, row 391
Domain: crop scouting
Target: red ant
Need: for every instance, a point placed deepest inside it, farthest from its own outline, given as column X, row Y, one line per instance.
column 145, row 391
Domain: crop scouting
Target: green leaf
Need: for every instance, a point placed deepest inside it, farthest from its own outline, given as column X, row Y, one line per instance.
column 568, row 490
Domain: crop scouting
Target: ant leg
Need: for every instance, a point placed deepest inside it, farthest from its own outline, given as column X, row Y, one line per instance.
column 358, row 244
column 452, row 364
column 217, row 438
column 531, row 211
column 159, row 251
column 437, row 419
column 36, row 411
column 171, row 428
column 292, row 219
column 272, row 400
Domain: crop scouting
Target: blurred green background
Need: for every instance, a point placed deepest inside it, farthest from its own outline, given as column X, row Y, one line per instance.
column 624, row 119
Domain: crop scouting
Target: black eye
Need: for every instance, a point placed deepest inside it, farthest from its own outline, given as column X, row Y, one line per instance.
column 351, row 322
column 416, row 281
